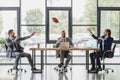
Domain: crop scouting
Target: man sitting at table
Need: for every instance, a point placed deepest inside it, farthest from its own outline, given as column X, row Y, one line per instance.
column 14, row 49
column 63, row 54
column 105, row 44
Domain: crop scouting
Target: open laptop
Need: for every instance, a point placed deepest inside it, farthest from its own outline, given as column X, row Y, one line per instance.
column 64, row 45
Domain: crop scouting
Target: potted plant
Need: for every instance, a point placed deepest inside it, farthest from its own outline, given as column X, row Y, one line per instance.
column 2, row 42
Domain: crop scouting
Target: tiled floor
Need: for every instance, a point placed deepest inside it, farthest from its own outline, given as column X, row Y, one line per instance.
column 78, row 72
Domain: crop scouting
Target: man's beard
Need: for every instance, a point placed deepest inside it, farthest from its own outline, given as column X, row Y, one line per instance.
column 63, row 36
column 13, row 35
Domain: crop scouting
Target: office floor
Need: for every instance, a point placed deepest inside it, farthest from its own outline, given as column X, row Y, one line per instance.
column 78, row 73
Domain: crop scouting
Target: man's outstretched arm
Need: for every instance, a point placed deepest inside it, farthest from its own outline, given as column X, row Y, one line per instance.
column 26, row 37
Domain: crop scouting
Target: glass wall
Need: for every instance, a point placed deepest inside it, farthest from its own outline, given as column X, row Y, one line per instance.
column 82, row 37
column 8, row 20
column 109, row 3
column 84, row 12
column 59, row 3
column 111, row 20
column 109, row 17
column 38, row 38
column 9, row 3
column 55, row 28
column 33, row 18
column 33, row 12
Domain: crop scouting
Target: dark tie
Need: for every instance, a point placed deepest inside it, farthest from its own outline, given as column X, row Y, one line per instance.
column 15, row 45
column 103, row 43
column 63, row 39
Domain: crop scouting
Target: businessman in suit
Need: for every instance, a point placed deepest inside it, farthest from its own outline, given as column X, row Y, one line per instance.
column 105, row 44
column 62, row 54
column 14, row 50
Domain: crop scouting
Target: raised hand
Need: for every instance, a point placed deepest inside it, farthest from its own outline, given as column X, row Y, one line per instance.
column 89, row 30
column 17, row 38
column 32, row 34
column 100, row 38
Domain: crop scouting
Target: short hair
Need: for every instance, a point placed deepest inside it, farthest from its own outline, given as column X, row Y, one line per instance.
column 9, row 32
column 63, row 31
column 109, row 31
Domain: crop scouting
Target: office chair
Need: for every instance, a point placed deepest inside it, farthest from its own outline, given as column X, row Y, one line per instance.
column 61, row 70
column 11, row 69
column 108, row 54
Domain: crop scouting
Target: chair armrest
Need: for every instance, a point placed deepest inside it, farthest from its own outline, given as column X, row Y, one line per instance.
column 108, row 51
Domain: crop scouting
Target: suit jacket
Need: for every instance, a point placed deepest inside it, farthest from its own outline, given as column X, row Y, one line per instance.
column 107, row 42
column 10, row 45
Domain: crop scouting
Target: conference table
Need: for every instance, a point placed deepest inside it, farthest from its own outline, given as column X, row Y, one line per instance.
column 42, row 50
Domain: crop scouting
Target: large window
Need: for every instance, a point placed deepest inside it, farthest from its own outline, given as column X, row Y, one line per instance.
column 81, row 37
column 84, row 12
column 111, row 20
column 59, row 3
column 38, row 38
column 109, row 3
column 74, row 16
column 9, row 3
column 63, row 15
column 8, row 21
column 33, row 11
column 55, row 28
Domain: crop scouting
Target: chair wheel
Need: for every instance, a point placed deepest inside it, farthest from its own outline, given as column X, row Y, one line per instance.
column 25, row 71
column 107, row 71
column 9, row 70
column 16, row 71
column 112, row 70
column 61, row 72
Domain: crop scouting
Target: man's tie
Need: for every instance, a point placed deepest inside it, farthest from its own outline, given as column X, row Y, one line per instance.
column 63, row 39
column 103, row 43
column 15, row 45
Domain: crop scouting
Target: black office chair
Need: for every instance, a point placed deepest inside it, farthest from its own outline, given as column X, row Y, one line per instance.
column 108, row 54
column 11, row 69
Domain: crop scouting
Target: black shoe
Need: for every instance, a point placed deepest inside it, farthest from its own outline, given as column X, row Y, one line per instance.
column 60, row 65
column 93, row 68
column 99, row 69
column 65, row 69
column 33, row 69
column 15, row 68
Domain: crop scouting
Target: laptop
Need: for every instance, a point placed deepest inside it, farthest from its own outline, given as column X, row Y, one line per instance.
column 64, row 45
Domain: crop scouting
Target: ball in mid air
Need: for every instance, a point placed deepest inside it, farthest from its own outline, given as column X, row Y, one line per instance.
column 54, row 19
